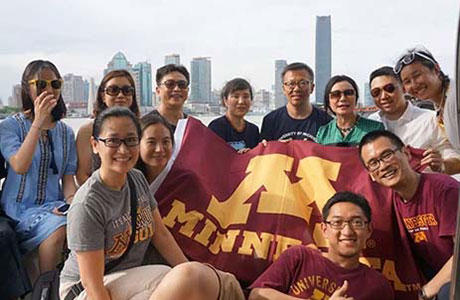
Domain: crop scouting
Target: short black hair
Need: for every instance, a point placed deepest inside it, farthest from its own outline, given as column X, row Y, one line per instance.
column 298, row 66
column 114, row 112
column 166, row 69
column 236, row 84
column 332, row 82
column 33, row 69
column 383, row 71
column 351, row 198
column 373, row 135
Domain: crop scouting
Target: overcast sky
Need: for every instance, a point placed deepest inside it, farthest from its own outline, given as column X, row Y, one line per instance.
column 242, row 37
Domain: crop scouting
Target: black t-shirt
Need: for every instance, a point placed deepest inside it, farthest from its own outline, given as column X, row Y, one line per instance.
column 249, row 138
column 278, row 125
column 156, row 112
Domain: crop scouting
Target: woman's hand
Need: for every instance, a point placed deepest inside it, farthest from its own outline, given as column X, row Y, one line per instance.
column 43, row 105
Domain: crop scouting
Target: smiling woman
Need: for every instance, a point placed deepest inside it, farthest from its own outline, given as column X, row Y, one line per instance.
column 103, row 206
column 340, row 98
column 117, row 88
column 157, row 141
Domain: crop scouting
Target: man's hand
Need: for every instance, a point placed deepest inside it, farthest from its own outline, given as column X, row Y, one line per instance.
column 433, row 159
column 340, row 293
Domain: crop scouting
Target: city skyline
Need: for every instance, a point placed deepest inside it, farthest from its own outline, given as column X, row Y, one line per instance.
column 365, row 36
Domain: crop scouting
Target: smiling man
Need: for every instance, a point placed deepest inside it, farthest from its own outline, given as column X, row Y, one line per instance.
column 427, row 204
column 172, row 89
column 415, row 126
column 299, row 119
column 306, row 273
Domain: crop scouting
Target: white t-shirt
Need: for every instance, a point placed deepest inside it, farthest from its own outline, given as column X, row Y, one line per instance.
column 451, row 121
column 419, row 128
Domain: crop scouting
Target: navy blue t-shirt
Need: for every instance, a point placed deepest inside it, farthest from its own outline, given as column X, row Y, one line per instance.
column 278, row 125
column 249, row 138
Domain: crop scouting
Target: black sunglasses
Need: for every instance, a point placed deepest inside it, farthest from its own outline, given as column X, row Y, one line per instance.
column 114, row 90
column 338, row 94
column 389, row 88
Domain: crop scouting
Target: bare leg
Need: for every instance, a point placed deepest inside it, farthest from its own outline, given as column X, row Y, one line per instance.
column 49, row 251
column 191, row 281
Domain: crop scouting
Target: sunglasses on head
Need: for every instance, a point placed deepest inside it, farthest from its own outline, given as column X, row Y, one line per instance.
column 43, row 83
column 114, row 90
column 410, row 57
column 338, row 94
column 171, row 84
column 389, row 88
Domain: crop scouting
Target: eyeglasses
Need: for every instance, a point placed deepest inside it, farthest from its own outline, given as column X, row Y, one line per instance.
column 171, row 84
column 355, row 223
column 43, row 83
column 132, row 141
column 303, row 84
column 338, row 94
column 389, row 88
column 409, row 58
column 114, row 90
column 386, row 156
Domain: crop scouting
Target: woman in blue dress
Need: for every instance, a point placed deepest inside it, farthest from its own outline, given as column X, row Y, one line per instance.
column 41, row 160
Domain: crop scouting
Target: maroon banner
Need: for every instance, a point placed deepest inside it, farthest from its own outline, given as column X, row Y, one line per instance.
column 239, row 212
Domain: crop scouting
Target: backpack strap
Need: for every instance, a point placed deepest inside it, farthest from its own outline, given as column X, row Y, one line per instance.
column 77, row 288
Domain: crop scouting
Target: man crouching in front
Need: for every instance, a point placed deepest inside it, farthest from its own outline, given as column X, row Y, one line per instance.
column 337, row 273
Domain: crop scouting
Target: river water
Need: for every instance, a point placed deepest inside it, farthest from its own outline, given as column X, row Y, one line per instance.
column 75, row 123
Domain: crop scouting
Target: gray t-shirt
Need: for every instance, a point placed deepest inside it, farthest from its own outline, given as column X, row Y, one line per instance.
column 100, row 218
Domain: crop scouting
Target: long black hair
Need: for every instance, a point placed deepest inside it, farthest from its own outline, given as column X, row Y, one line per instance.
column 33, row 69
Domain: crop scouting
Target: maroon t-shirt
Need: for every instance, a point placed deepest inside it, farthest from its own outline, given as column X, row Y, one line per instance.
column 303, row 272
column 430, row 218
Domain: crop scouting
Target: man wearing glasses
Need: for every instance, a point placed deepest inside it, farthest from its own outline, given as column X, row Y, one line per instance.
column 415, row 126
column 303, row 272
column 298, row 120
column 172, row 89
column 427, row 204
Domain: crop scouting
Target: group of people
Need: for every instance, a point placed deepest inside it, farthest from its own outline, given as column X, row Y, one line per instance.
column 105, row 174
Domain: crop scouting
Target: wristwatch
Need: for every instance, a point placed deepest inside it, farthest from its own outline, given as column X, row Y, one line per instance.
column 422, row 294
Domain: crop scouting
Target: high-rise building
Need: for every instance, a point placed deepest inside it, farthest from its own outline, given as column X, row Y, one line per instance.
column 73, row 90
column 118, row 62
column 91, row 96
column 322, row 56
column 172, row 59
column 261, row 101
column 201, row 80
column 16, row 99
column 144, row 83
column 280, row 98
column 367, row 99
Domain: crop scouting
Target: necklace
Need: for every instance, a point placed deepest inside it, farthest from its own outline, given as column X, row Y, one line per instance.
column 346, row 130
